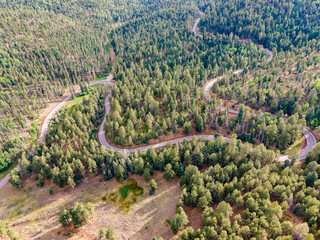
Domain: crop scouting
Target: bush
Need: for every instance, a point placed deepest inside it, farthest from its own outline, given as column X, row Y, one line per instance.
column 79, row 214
column 15, row 178
column 179, row 221
column 5, row 161
column 298, row 210
column 187, row 127
column 153, row 186
column 168, row 172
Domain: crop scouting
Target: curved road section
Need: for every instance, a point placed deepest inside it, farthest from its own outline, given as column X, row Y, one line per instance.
column 46, row 122
column 194, row 29
column 311, row 141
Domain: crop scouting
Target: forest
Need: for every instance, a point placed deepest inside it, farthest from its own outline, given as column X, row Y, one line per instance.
column 48, row 48
column 289, row 28
column 263, row 58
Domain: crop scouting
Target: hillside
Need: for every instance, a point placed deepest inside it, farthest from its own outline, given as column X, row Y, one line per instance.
column 160, row 119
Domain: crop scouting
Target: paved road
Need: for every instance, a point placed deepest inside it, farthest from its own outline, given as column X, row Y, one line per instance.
column 103, row 141
column 46, row 121
column 194, row 29
column 311, row 141
column 5, row 180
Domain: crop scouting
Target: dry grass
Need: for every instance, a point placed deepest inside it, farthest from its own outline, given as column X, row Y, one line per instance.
column 33, row 213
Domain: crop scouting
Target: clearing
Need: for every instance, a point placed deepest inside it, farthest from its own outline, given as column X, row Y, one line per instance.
column 32, row 212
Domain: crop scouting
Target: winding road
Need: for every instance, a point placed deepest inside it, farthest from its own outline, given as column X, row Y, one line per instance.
column 194, row 29
column 311, row 140
column 45, row 123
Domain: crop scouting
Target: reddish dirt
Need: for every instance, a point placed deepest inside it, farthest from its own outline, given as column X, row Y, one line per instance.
column 299, row 163
column 195, row 217
column 294, row 219
column 236, row 211
column 304, row 145
column 50, row 107
column 316, row 135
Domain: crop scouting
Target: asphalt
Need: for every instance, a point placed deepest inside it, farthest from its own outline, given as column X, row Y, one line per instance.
column 46, row 122
column 194, row 29
column 311, row 140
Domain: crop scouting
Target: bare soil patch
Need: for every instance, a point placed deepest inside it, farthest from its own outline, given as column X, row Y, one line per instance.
column 33, row 213
column 294, row 219
column 194, row 216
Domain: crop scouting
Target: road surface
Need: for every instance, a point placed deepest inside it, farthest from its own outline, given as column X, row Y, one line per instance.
column 194, row 29
column 311, row 141
column 45, row 124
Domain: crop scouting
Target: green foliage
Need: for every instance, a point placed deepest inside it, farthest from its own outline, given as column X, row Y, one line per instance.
column 280, row 133
column 179, row 221
column 225, row 209
column 119, row 172
column 187, row 127
column 41, row 181
column 81, row 213
column 69, row 153
column 227, row 17
column 78, row 215
column 168, row 172
column 64, row 218
column 311, row 178
column 317, row 85
column 15, row 178
column 199, row 124
column 160, row 68
column 3, row 226
column 237, row 182
column 5, row 161
column 301, row 230
column 153, row 186
column 44, row 49
column 107, row 234
column 126, row 195
column 158, row 86
column 110, row 235
column 147, row 174
column 6, row 232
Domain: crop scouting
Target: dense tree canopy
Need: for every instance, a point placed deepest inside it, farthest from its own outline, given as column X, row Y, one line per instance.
column 280, row 24
column 160, row 69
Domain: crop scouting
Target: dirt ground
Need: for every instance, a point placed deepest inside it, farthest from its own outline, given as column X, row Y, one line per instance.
column 291, row 217
column 194, row 217
column 32, row 212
